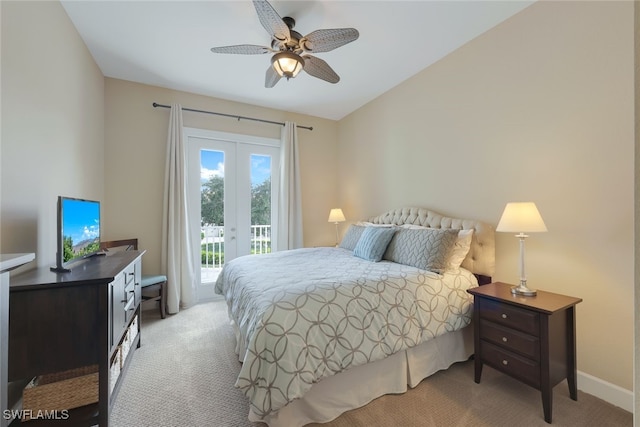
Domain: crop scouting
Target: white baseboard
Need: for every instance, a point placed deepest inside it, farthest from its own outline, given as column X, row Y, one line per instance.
column 606, row 391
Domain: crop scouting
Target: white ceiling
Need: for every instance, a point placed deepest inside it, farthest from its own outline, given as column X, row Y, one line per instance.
column 166, row 43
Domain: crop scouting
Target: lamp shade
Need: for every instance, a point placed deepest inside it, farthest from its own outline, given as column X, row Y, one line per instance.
column 521, row 217
column 336, row 215
column 287, row 64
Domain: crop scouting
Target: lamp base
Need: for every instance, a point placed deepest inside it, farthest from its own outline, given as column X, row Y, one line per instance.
column 522, row 289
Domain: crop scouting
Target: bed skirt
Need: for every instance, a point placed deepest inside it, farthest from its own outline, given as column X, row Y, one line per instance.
column 358, row 386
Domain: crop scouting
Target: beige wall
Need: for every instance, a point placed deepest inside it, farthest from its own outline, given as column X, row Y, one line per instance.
column 636, row 418
column 135, row 147
column 52, row 124
column 539, row 109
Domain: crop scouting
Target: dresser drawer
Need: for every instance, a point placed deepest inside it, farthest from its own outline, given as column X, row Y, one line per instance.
column 510, row 363
column 129, row 274
column 525, row 344
column 510, row 316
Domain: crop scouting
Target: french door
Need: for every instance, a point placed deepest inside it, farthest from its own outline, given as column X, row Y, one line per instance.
column 233, row 199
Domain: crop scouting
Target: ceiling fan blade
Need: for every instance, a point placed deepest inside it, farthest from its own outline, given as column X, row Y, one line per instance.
column 320, row 69
column 271, row 77
column 271, row 21
column 242, row 49
column 326, row 40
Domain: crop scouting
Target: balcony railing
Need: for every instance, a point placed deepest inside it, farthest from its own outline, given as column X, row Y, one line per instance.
column 212, row 244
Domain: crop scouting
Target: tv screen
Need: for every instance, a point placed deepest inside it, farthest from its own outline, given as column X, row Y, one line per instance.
column 78, row 229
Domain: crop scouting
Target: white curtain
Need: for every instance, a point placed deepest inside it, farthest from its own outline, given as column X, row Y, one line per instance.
column 290, row 211
column 176, row 262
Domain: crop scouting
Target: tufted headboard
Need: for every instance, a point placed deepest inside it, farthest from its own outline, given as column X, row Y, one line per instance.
column 481, row 259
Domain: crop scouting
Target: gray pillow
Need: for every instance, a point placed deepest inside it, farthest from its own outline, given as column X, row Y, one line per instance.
column 351, row 237
column 373, row 243
column 427, row 249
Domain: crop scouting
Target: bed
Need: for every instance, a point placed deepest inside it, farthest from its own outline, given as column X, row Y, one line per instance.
column 320, row 331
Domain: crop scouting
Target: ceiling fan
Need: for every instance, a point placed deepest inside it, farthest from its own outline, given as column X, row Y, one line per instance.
column 291, row 49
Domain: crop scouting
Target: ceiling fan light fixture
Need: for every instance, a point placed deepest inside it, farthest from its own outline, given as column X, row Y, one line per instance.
column 287, row 64
column 292, row 48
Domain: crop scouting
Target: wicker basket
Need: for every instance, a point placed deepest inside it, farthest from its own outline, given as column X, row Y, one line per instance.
column 60, row 391
column 133, row 329
column 115, row 368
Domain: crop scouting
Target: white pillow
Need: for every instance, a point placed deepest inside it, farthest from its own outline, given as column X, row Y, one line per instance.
column 460, row 249
column 413, row 226
column 370, row 224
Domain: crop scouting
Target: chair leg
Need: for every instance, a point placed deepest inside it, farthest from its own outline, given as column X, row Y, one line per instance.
column 163, row 300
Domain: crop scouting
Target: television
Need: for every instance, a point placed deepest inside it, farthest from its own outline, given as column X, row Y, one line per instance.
column 78, row 231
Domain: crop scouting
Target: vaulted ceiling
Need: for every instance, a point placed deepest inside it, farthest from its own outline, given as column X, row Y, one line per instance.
column 167, row 44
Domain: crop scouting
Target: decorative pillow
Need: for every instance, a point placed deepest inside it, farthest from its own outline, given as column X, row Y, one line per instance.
column 373, row 243
column 351, row 237
column 460, row 249
column 427, row 249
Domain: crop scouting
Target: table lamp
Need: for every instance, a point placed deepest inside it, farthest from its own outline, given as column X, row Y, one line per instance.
column 521, row 218
column 336, row 216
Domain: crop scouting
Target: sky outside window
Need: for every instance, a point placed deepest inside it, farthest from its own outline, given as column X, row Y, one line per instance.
column 212, row 164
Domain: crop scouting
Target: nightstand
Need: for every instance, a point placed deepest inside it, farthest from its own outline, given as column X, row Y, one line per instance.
column 530, row 338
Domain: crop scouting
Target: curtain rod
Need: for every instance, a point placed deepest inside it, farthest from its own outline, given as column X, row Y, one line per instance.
column 155, row 105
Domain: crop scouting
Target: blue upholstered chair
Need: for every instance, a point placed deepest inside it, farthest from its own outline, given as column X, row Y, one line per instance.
column 154, row 288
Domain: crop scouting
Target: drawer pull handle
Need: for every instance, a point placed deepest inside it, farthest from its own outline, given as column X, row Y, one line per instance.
column 505, row 362
column 504, row 316
column 504, row 339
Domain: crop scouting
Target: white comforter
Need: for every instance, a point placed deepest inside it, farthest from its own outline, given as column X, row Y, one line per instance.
column 305, row 314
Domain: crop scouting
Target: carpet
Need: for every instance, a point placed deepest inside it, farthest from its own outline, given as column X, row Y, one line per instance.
column 183, row 375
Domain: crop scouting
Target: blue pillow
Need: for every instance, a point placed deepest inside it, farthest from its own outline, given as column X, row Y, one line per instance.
column 373, row 242
column 351, row 237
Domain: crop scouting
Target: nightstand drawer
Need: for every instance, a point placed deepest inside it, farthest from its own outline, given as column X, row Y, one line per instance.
column 510, row 316
column 527, row 345
column 511, row 364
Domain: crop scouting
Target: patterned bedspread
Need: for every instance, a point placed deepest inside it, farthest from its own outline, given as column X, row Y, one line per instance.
column 305, row 314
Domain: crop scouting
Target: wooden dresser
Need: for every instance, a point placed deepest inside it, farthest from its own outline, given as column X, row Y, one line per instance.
column 83, row 319
column 531, row 338
column 8, row 262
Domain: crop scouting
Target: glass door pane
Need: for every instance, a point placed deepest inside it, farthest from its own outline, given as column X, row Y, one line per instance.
column 211, row 214
column 260, row 203
column 211, row 205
